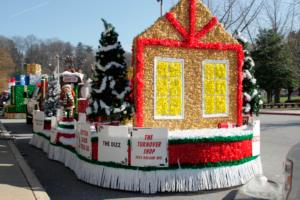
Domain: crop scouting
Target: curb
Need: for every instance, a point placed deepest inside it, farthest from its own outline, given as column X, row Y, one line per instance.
column 279, row 113
column 34, row 184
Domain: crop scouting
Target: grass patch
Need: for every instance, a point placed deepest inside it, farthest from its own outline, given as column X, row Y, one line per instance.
column 283, row 99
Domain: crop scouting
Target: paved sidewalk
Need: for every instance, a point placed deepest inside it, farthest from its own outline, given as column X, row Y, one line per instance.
column 279, row 112
column 17, row 181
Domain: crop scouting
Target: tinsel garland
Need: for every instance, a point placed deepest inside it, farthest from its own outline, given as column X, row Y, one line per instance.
column 171, row 167
column 170, row 17
column 190, row 42
column 209, row 152
column 208, row 27
column 66, row 126
column 141, row 43
column 212, row 139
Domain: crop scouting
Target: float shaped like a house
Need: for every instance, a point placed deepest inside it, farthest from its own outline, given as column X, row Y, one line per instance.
column 187, row 71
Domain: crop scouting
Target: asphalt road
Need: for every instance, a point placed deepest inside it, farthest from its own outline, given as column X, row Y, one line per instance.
column 279, row 133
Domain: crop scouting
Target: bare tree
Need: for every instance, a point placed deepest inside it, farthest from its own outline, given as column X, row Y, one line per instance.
column 281, row 15
column 236, row 15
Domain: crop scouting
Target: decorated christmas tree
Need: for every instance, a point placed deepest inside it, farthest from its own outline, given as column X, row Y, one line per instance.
column 52, row 98
column 251, row 90
column 110, row 86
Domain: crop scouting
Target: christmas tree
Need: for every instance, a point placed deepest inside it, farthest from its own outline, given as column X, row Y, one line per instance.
column 110, row 86
column 52, row 98
column 251, row 90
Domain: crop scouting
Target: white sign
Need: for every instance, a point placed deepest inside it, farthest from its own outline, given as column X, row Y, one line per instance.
column 38, row 121
column 70, row 79
column 85, row 143
column 53, row 129
column 59, row 114
column 82, row 117
column 256, row 138
column 113, row 144
column 149, row 147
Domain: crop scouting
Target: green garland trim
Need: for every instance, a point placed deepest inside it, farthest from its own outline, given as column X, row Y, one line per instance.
column 94, row 139
column 171, row 167
column 42, row 135
column 212, row 139
column 66, row 126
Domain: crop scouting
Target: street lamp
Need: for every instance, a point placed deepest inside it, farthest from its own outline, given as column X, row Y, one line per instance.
column 161, row 6
column 57, row 56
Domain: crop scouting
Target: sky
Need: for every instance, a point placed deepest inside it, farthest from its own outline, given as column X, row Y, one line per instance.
column 78, row 20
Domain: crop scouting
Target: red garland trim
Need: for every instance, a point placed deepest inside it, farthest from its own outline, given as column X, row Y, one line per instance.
column 66, row 135
column 142, row 42
column 209, row 152
column 139, row 83
column 192, row 20
column 207, row 28
column 240, row 55
column 170, row 17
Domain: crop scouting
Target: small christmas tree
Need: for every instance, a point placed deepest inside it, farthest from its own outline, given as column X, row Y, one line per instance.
column 110, row 86
column 52, row 98
column 251, row 90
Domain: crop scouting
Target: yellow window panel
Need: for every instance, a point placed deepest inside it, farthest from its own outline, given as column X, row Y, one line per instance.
column 221, row 104
column 162, row 105
column 209, row 71
column 175, row 69
column 175, row 111
column 209, row 105
column 209, row 87
column 175, row 92
column 220, row 71
column 221, row 87
column 175, row 87
column 168, row 88
column 162, row 69
column 176, row 102
column 175, row 106
column 162, row 87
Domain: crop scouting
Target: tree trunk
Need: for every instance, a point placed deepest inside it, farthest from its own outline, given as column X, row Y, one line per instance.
column 290, row 91
column 269, row 96
column 277, row 95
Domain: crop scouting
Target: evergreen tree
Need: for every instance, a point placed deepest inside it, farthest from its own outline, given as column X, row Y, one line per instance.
column 52, row 98
column 251, row 92
column 274, row 66
column 294, row 46
column 110, row 86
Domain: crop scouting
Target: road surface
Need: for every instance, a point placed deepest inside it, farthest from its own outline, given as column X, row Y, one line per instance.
column 279, row 133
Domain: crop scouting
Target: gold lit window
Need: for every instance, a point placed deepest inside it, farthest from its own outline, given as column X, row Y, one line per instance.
column 168, row 93
column 215, row 88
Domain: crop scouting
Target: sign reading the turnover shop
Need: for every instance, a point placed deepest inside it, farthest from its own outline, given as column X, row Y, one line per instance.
column 256, row 138
column 38, row 121
column 113, row 144
column 149, row 147
column 84, row 140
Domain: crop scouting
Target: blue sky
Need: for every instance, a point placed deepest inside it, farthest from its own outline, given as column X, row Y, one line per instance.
column 78, row 20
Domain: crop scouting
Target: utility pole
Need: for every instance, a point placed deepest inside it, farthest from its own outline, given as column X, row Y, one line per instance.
column 57, row 56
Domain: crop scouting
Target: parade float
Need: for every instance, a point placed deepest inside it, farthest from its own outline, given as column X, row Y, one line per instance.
column 187, row 131
column 22, row 88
